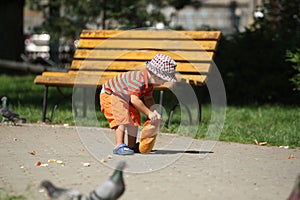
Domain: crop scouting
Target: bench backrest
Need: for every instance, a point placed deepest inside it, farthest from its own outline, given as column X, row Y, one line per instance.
column 115, row 51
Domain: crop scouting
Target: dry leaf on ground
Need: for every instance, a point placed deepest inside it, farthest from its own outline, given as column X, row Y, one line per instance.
column 260, row 143
column 291, row 156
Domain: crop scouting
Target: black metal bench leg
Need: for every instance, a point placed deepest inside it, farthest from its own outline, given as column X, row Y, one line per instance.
column 200, row 111
column 45, row 103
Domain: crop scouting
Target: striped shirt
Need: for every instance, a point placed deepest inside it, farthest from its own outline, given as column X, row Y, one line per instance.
column 129, row 83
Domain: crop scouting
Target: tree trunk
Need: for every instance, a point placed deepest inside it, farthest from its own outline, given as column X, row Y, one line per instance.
column 11, row 29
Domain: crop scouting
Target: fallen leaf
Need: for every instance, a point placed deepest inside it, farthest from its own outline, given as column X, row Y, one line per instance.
column 291, row 156
column 33, row 153
column 38, row 163
column 262, row 143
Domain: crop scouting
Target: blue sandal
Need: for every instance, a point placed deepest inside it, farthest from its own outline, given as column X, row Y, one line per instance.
column 123, row 150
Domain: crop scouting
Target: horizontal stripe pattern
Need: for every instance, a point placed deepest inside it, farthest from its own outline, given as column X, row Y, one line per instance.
column 129, row 83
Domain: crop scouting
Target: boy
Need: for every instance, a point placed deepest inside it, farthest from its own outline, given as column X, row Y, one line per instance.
column 121, row 103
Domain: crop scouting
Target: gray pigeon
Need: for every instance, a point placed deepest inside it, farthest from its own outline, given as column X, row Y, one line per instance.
column 56, row 193
column 295, row 194
column 7, row 114
column 112, row 189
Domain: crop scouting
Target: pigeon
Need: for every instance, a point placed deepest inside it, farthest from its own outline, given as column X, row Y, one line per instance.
column 295, row 194
column 8, row 115
column 112, row 189
column 56, row 193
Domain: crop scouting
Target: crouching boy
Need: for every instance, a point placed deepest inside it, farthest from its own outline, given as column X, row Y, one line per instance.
column 121, row 102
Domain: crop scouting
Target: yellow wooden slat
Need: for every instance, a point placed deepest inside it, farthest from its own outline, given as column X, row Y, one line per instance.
column 71, row 80
column 100, row 65
column 92, row 79
column 203, row 35
column 99, row 33
column 157, row 34
column 67, row 81
column 55, row 73
column 142, row 55
column 102, row 77
column 148, row 44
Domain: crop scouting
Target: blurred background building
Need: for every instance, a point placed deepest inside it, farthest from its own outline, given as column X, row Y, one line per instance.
column 225, row 15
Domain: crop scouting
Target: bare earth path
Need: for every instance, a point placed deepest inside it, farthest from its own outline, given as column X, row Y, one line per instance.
column 229, row 171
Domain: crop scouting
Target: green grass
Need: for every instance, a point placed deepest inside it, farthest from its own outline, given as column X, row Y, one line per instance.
column 275, row 124
column 6, row 195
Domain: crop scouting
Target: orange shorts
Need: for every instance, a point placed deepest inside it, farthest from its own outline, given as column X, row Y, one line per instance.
column 117, row 111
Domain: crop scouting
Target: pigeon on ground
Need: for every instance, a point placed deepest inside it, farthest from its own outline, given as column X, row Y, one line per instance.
column 56, row 193
column 7, row 114
column 112, row 189
column 295, row 194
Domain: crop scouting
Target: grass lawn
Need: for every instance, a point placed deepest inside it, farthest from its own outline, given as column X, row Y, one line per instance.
column 274, row 124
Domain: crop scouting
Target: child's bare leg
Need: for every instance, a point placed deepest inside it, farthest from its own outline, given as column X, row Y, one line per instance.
column 120, row 135
column 121, row 148
column 132, row 133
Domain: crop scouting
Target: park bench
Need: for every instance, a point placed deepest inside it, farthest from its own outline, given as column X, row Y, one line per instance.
column 105, row 53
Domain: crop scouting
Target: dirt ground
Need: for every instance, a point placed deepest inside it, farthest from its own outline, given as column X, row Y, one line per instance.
column 179, row 168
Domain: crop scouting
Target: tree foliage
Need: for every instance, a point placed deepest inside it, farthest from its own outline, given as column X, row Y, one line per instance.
column 294, row 58
column 253, row 63
column 281, row 20
column 132, row 14
column 69, row 17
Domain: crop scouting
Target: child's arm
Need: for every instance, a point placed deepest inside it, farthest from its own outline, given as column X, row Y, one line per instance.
column 138, row 103
column 149, row 101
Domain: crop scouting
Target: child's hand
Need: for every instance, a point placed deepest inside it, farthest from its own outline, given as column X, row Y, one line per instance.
column 154, row 115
